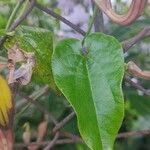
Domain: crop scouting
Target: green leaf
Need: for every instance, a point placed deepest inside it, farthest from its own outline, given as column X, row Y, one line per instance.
column 39, row 41
column 92, row 84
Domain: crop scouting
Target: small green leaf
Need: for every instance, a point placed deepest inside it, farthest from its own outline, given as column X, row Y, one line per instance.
column 91, row 81
column 39, row 41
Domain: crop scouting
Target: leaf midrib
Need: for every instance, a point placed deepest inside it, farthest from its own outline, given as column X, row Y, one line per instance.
column 86, row 65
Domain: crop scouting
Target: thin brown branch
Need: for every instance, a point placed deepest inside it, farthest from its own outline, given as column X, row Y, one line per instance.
column 35, row 95
column 71, row 136
column 58, row 142
column 130, row 42
column 63, row 122
column 58, row 126
column 79, row 140
column 137, row 86
column 55, row 15
column 41, row 108
column 52, row 143
column 134, row 133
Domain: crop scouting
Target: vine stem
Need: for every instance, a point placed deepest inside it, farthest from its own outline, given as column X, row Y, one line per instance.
column 24, row 8
column 90, row 24
column 23, row 16
column 13, row 15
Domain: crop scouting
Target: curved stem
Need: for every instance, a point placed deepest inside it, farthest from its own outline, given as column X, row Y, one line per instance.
column 90, row 24
column 13, row 15
column 134, row 12
column 23, row 16
column 24, row 8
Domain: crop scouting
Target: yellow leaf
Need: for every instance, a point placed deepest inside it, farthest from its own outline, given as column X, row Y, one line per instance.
column 5, row 102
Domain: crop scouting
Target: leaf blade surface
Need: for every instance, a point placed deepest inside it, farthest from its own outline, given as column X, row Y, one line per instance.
column 92, row 84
